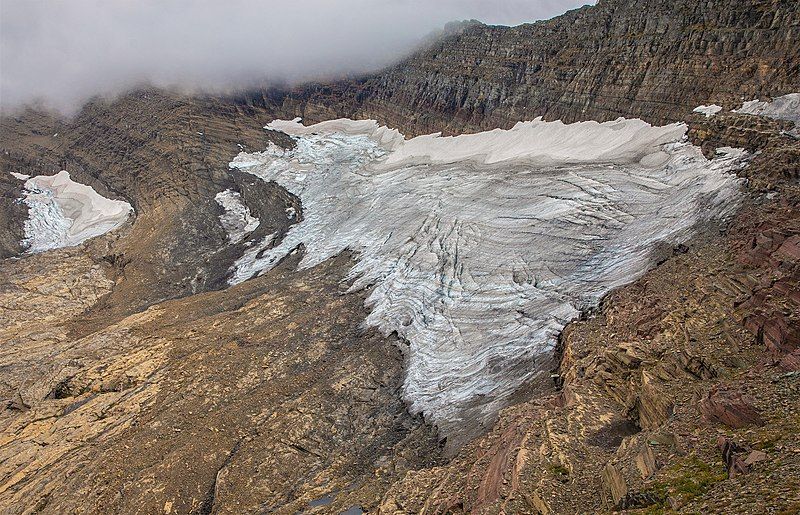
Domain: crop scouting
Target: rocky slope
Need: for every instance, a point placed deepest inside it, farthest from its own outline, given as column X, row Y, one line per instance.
column 134, row 382
column 262, row 397
column 168, row 156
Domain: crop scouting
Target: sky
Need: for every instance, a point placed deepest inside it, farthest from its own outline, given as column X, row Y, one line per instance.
column 62, row 52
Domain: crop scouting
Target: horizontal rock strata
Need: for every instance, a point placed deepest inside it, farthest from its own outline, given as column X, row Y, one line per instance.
column 655, row 60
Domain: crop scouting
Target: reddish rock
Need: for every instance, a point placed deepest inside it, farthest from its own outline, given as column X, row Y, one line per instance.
column 729, row 408
column 501, row 458
column 790, row 250
column 791, row 362
column 755, row 457
column 731, row 456
column 778, row 332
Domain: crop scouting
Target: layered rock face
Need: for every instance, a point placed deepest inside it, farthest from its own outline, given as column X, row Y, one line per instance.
column 639, row 59
column 168, row 156
column 135, row 380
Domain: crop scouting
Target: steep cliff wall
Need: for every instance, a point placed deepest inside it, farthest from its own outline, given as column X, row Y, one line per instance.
column 652, row 59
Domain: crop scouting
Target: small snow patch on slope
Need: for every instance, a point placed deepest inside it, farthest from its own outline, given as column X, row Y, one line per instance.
column 236, row 219
column 64, row 213
column 708, row 111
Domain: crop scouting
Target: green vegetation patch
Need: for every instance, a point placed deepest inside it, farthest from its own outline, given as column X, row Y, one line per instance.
column 684, row 481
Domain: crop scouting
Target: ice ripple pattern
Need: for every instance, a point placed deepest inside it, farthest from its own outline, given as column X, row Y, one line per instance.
column 481, row 248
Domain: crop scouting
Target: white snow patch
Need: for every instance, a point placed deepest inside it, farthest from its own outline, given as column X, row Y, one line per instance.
column 482, row 247
column 236, row 219
column 20, row 176
column 536, row 143
column 708, row 111
column 786, row 107
column 249, row 264
column 64, row 213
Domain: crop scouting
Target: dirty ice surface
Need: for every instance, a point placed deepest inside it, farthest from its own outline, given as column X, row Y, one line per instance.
column 236, row 218
column 64, row 213
column 481, row 248
column 786, row 108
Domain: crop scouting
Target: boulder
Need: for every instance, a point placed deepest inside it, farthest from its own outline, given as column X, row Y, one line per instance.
column 729, row 408
column 731, row 456
column 646, row 462
column 615, row 483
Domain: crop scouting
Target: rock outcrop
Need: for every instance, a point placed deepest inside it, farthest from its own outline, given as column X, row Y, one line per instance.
column 12, row 214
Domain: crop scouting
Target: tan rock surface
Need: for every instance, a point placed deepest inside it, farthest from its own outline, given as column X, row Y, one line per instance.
column 262, row 397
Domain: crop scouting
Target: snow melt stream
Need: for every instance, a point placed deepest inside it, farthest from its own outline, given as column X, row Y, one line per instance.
column 481, row 248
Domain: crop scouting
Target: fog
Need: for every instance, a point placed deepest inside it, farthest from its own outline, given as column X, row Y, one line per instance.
column 62, row 52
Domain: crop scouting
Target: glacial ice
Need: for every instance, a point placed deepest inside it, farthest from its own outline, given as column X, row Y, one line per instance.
column 64, row 213
column 786, row 108
column 236, row 218
column 480, row 248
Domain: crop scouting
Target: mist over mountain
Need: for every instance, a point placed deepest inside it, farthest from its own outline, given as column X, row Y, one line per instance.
column 62, row 53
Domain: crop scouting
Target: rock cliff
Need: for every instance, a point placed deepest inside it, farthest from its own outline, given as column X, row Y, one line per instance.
column 649, row 59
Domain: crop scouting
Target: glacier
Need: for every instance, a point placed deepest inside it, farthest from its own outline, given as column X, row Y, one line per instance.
column 64, row 213
column 478, row 249
column 786, row 107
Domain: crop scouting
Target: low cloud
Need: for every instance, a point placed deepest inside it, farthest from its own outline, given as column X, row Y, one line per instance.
column 62, row 52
